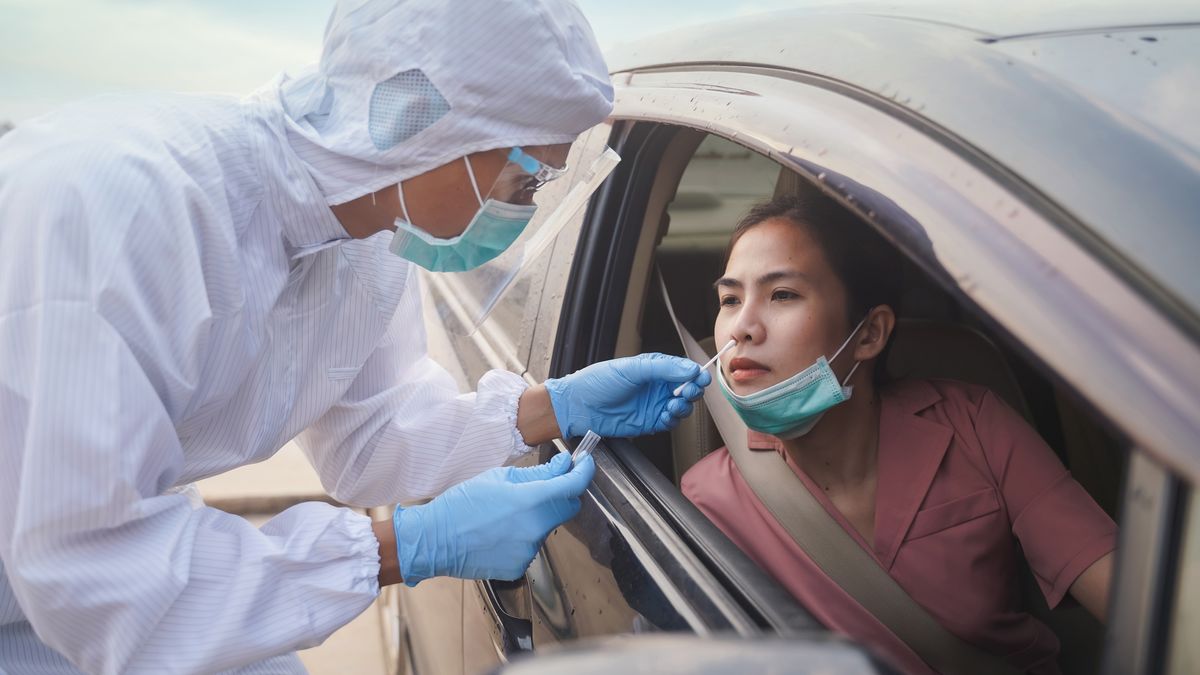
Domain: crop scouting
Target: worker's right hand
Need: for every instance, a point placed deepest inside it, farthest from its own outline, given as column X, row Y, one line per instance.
column 491, row 526
column 626, row 397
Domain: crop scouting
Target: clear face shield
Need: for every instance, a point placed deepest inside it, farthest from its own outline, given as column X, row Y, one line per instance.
column 526, row 186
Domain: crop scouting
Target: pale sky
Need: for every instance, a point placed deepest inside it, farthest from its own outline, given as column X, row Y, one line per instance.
column 55, row 51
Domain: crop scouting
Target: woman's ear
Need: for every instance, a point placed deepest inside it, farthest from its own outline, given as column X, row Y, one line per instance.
column 875, row 333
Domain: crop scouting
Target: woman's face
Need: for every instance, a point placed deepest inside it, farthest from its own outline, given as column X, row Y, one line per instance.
column 781, row 301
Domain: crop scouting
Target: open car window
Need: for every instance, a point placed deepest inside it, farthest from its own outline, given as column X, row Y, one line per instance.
column 720, row 182
column 717, row 184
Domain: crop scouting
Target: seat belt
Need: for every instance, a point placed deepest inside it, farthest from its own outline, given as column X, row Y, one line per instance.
column 829, row 545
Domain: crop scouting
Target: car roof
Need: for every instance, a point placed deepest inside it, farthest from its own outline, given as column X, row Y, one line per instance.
column 1092, row 104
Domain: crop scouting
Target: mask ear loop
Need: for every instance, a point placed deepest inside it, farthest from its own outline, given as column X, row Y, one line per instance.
column 851, row 373
column 839, row 350
column 374, row 170
column 403, row 207
column 471, row 175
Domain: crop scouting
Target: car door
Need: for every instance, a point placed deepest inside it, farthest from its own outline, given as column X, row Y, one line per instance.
column 639, row 557
column 1006, row 253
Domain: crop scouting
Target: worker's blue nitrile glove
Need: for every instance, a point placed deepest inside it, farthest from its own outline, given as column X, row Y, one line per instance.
column 490, row 526
column 627, row 397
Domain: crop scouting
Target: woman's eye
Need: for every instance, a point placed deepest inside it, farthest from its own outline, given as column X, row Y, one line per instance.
column 784, row 295
column 728, row 300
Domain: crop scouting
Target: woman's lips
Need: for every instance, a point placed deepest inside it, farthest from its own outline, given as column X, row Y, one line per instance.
column 743, row 370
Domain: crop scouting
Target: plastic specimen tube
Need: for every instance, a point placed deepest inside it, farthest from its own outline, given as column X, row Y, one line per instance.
column 585, row 447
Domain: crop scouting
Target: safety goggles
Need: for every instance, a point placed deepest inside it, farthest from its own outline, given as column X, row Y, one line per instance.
column 522, row 177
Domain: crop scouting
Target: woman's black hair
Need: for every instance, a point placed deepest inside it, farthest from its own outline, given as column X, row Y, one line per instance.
column 866, row 264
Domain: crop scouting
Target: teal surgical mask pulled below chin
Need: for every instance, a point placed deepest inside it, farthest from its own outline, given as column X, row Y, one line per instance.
column 791, row 408
column 495, row 226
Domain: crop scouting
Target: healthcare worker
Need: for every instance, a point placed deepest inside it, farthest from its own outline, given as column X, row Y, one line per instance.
column 189, row 282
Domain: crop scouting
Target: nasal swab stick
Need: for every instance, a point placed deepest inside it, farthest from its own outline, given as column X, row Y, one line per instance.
column 728, row 345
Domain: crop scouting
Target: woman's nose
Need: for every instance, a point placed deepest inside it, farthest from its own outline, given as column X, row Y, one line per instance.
column 747, row 328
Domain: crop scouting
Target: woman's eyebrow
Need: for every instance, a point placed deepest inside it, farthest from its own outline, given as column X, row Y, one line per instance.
column 780, row 275
column 768, row 278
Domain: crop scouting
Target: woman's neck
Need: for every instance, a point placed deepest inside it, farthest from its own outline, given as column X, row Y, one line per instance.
column 842, row 450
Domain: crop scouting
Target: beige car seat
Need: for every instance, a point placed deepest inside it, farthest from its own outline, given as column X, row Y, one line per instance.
column 696, row 435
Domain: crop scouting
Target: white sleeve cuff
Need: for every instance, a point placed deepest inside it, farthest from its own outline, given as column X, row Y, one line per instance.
column 504, row 389
column 336, row 555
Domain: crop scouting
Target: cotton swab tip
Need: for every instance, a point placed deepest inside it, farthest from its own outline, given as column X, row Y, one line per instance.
column 728, row 345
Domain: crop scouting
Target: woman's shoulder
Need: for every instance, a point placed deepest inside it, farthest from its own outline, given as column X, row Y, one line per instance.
column 914, row 395
column 709, row 475
column 983, row 422
column 974, row 412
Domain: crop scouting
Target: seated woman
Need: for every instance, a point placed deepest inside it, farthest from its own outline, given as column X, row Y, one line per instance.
column 938, row 480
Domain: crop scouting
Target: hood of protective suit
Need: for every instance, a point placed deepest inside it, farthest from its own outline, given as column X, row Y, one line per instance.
column 404, row 86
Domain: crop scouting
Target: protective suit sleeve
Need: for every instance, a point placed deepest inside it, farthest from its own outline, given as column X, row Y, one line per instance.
column 113, row 573
column 402, row 431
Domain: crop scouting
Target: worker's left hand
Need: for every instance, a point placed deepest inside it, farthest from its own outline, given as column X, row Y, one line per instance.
column 627, row 397
column 489, row 527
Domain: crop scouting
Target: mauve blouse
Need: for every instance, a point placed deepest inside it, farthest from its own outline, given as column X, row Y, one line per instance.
column 962, row 480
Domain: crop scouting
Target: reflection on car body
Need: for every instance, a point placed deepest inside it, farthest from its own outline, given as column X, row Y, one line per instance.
column 1039, row 207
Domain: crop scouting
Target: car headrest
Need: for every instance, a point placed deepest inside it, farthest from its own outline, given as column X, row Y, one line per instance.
column 923, row 348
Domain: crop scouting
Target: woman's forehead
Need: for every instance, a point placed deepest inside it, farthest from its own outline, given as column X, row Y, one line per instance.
column 774, row 246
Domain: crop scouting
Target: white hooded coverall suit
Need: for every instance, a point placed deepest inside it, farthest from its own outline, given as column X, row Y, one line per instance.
column 177, row 299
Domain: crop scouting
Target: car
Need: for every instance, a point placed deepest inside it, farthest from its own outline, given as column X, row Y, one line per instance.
column 1040, row 173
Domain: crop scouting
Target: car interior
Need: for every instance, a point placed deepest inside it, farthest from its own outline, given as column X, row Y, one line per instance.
column 704, row 184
